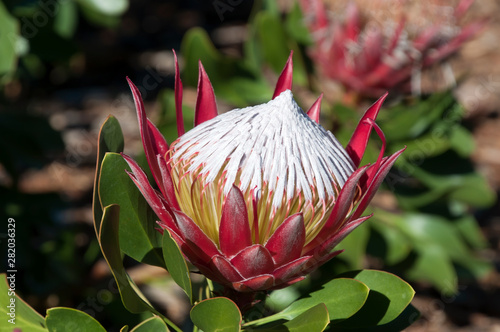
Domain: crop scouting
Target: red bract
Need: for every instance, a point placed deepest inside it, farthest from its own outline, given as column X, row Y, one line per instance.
column 369, row 58
column 257, row 198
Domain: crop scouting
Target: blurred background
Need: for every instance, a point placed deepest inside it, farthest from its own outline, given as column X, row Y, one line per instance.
column 63, row 65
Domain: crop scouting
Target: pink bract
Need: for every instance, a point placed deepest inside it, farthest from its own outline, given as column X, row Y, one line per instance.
column 369, row 59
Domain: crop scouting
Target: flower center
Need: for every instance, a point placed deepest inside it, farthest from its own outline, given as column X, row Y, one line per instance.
column 282, row 161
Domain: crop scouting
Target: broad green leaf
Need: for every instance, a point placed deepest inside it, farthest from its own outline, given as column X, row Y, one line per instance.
column 416, row 200
column 9, row 38
column 433, row 265
column 469, row 229
column 66, row 19
column 389, row 296
column 99, row 19
column 243, row 91
column 432, row 230
column 412, row 119
column 438, row 243
column 342, row 297
column 271, row 7
column 110, row 140
column 279, row 299
column 470, row 188
column 462, row 141
column 132, row 297
column 425, row 146
column 314, row 319
column 295, row 26
column 196, row 46
column 110, row 7
column 474, row 190
column 26, row 318
column 138, row 237
column 275, row 46
column 233, row 79
column 176, row 264
column 397, row 246
column 217, row 314
column 155, row 324
column 68, row 319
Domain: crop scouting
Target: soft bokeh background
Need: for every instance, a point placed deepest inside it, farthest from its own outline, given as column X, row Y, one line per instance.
column 65, row 70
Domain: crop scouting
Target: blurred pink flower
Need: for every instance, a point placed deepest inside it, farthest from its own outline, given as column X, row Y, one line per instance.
column 258, row 197
column 370, row 57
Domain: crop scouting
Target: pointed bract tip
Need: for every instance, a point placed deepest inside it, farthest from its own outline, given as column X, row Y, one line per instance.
column 129, row 81
column 357, row 145
column 286, row 77
column 206, row 107
column 315, row 110
column 178, row 98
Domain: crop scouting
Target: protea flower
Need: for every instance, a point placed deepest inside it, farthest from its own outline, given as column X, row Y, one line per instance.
column 375, row 55
column 258, row 197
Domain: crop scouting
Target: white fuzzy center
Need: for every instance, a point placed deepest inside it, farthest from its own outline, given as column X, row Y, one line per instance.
column 274, row 144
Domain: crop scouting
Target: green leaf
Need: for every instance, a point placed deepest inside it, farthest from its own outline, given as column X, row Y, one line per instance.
column 110, row 140
column 398, row 246
column 233, row 80
column 342, row 297
column 99, row 19
column 217, row 314
column 176, row 264
column 426, row 146
column 243, row 91
column 110, row 7
column 275, row 46
column 462, row 141
column 26, row 318
column 295, row 26
column 438, row 243
column 9, row 39
column 66, row 19
column 155, row 324
column 314, row 319
column 470, row 188
column 279, row 299
column 470, row 230
column 196, row 46
column 389, row 296
column 138, row 237
column 474, row 190
column 413, row 119
column 132, row 297
column 434, row 266
column 431, row 230
column 68, row 319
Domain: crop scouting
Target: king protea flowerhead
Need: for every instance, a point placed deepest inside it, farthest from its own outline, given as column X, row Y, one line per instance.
column 370, row 57
column 258, row 197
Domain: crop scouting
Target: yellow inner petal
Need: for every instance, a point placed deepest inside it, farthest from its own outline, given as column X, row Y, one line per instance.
column 203, row 203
